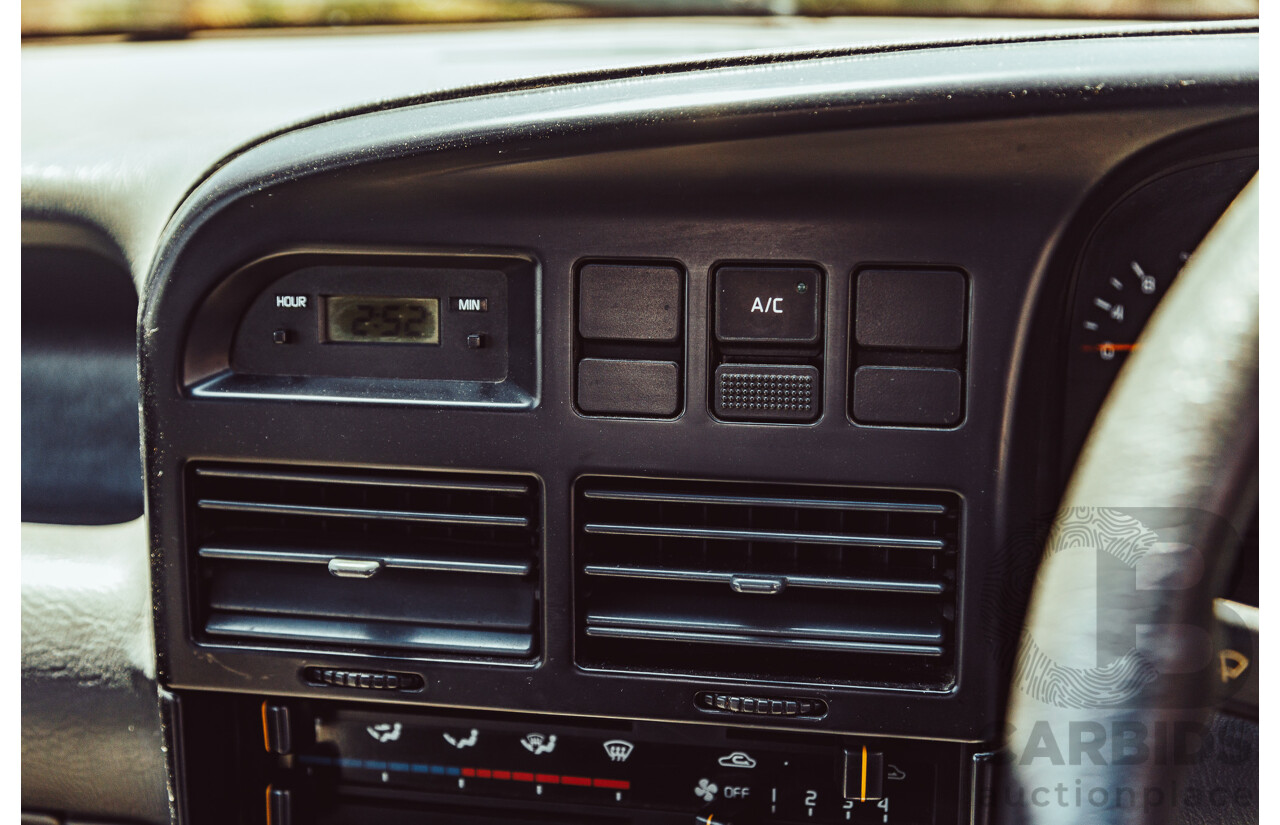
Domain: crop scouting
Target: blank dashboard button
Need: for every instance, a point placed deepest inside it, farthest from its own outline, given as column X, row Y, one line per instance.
column 617, row 387
column 920, row 310
column 913, row 396
column 629, row 303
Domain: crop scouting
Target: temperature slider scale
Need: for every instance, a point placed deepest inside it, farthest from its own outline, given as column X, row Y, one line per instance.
column 759, row 782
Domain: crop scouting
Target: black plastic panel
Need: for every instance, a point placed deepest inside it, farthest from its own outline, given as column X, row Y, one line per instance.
column 311, row 350
column 629, row 344
column 910, row 333
column 262, row 332
column 319, row 558
column 1131, row 258
column 794, row 583
column 341, row 762
column 807, row 163
column 914, row 396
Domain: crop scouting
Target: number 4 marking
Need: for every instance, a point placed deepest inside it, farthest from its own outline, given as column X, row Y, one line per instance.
column 1148, row 282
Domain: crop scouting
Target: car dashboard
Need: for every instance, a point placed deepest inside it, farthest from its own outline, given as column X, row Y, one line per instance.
column 647, row 443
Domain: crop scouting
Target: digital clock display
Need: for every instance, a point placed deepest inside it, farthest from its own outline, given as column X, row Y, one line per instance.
column 381, row 320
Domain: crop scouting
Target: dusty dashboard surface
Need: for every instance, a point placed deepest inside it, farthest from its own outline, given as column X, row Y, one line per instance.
column 651, row 445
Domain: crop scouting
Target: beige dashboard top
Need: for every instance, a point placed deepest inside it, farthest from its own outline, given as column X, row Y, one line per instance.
column 116, row 133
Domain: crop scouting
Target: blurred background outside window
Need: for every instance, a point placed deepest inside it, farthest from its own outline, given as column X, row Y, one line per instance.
column 163, row 18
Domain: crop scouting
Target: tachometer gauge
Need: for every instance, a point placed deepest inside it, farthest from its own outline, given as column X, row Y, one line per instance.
column 1127, row 265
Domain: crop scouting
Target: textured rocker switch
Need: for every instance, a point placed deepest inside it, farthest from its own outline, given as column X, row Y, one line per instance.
column 629, row 303
column 910, row 310
column 607, row 386
column 911, row 396
column 767, row 393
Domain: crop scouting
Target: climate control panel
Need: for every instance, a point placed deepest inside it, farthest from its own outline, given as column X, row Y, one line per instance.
column 330, row 761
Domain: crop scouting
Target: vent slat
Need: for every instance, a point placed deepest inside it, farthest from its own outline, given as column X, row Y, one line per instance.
column 724, row 534
column 393, row 561
column 448, row 484
column 805, row 616
column 361, row 513
column 370, row 634
column 789, row 579
column 767, row 581
column 437, row 563
column 765, row 501
column 275, row 589
column 777, row 643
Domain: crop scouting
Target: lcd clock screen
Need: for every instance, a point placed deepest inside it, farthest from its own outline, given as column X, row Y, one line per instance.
column 381, row 320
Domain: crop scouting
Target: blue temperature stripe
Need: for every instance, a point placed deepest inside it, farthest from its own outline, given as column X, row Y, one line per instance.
column 404, row 767
column 311, row 759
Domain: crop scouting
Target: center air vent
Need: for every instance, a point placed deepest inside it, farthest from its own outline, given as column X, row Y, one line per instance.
column 800, row 583
column 395, row 562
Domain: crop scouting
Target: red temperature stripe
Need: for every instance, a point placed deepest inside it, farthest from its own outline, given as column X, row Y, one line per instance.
column 549, row 779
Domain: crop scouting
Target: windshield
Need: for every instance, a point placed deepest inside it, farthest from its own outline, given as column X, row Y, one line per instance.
column 165, row 18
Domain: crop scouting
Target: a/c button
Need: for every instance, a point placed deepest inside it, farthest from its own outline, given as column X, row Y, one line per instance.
column 768, row 305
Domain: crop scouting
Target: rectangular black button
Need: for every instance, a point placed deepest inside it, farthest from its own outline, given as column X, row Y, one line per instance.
column 649, row 388
column 768, row 305
column 914, row 396
column 748, row 392
column 920, row 310
column 629, row 303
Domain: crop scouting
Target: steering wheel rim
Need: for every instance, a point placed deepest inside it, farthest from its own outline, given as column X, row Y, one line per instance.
column 1115, row 670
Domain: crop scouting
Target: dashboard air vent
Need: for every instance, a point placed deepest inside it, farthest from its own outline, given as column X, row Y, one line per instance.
column 406, row 563
column 785, row 582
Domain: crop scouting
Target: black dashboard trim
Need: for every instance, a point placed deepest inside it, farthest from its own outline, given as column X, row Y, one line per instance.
column 821, row 99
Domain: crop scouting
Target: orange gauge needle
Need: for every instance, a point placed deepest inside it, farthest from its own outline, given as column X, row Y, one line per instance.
column 1112, row 347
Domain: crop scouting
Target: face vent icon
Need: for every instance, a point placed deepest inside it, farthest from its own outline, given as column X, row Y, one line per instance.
column 618, row 750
